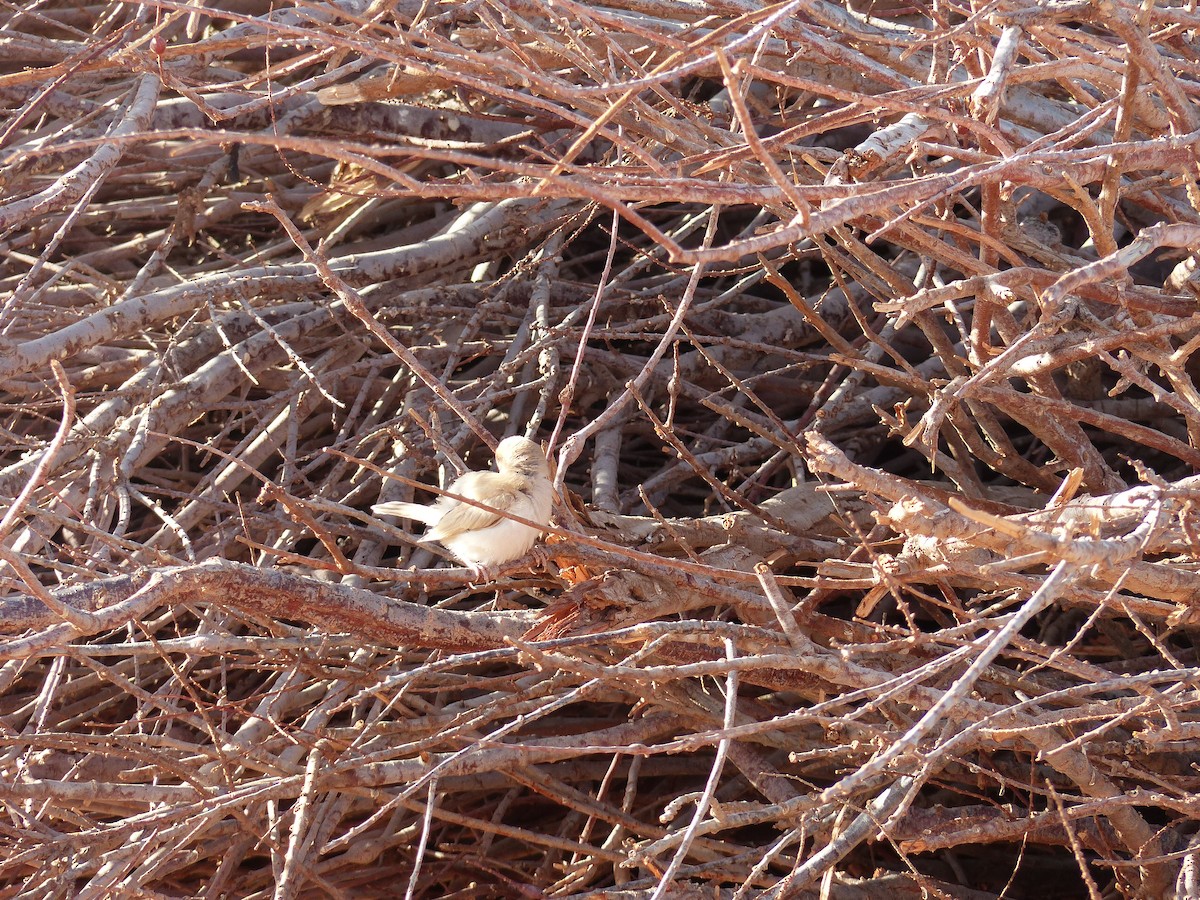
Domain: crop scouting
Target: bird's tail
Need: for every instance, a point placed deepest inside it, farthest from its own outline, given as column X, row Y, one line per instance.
column 427, row 514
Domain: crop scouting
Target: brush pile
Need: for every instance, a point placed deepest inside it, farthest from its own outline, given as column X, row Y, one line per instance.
column 865, row 341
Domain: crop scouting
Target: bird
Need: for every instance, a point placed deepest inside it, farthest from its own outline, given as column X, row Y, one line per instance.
column 483, row 538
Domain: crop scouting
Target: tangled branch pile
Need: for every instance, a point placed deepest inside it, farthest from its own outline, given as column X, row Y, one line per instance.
column 863, row 336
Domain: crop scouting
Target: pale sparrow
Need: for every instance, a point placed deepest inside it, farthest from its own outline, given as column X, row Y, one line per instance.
column 484, row 537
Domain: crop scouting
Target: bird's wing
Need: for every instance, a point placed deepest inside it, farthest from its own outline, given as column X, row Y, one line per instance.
column 499, row 492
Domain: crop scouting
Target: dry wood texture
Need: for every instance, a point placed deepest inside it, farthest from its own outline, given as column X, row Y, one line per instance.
column 864, row 341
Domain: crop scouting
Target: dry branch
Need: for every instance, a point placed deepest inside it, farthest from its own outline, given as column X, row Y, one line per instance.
column 864, row 339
